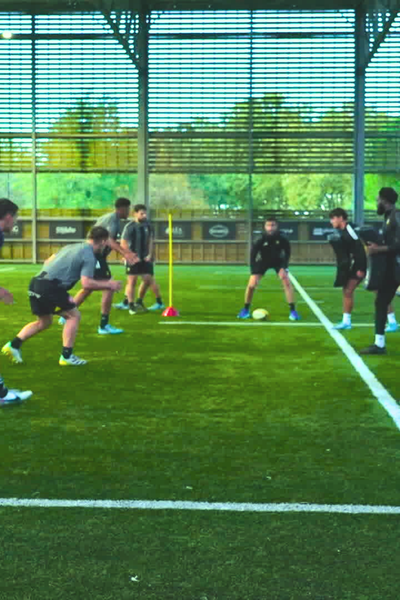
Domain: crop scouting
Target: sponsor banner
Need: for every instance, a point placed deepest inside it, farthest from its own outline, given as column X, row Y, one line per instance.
column 289, row 229
column 69, row 230
column 181, row 230
column 16, row 232
column 318, row 231
column 219, row 230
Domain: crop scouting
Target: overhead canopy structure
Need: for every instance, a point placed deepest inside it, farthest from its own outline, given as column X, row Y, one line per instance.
column 190, row 86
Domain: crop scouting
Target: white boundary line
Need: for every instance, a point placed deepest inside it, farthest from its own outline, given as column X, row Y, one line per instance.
column 255, row 324
column 352, row 509
column 377, row 389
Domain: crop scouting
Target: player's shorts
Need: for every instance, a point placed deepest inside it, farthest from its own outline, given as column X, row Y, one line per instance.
column 141, row 268
column 353, row 273
column 47, row 297
column 262, row 268
column 102, row 270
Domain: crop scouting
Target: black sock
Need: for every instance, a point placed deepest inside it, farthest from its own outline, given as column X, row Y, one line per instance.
column 66, row 352
column 126, row 301
column 139, row 301
column 3, row 389
column 16, row 343
column 159, row 300
column 292, row 306
column 247, row 305
column 104, row 321
column 132, row 305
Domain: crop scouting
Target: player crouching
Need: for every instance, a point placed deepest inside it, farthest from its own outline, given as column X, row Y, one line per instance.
column 48, row 294
column 271, row 251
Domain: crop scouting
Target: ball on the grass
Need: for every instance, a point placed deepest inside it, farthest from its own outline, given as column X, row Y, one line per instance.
column 260, row 314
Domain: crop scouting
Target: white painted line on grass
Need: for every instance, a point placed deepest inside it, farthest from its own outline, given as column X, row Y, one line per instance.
column 241, row 324
column 377, row 389
column 255, row 324
column 4, row 269
column 278, row 507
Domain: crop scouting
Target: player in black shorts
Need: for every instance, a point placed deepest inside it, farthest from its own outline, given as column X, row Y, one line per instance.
column 271, row 251
column 353, row 265
column 353, row 268
column 138, row 238
column 386, row 206
column 48, row 294
column 113, row 223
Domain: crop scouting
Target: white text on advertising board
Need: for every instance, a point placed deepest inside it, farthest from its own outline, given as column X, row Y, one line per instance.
column 219, row 231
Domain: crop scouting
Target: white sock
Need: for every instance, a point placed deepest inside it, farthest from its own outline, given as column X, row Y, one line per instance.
column 380, row 341
column 392, row 318
column 347, row 318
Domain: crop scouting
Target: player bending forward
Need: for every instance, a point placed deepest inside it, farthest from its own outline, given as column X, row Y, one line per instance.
column 113, row 223
column 357, row 260
column 271, row 251
column 48, row 294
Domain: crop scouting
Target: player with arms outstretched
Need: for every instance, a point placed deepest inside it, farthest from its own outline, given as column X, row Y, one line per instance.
column 48, row 294
column 271, row 251
column 113, row 223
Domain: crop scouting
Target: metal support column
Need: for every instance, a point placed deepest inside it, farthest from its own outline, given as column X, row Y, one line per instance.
column 143, row 128
column 251, row 141
column 361, row 54
column 34, row 168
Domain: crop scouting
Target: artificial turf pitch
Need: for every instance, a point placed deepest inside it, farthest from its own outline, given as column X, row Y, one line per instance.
column 201, row 413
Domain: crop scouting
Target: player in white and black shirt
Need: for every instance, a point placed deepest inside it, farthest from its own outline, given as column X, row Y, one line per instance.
column 271, row 251
column 354, row 265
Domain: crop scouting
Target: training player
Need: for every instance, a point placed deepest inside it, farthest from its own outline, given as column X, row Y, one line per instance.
column 386, row 206
column 48, row 294
column 271, row 251
column 357, row 258
column 113, row 223
column 8, row 218
column 138, row 237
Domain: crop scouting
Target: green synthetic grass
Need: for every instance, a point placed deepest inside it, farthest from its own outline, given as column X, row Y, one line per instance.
column 251, row 414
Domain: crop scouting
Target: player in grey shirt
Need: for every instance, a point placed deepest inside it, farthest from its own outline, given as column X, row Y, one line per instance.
column 113, row 223
column 138, row 236
column 48, row 294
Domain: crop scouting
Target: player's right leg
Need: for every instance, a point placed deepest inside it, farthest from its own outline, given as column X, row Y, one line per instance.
column 348, row 303
column 68, row 358
column 254, row 280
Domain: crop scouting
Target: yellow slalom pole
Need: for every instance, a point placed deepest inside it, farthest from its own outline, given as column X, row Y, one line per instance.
column 170, row 311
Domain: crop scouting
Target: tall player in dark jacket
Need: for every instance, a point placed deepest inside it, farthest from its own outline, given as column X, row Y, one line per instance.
column 386, row 206
column 271, row 251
